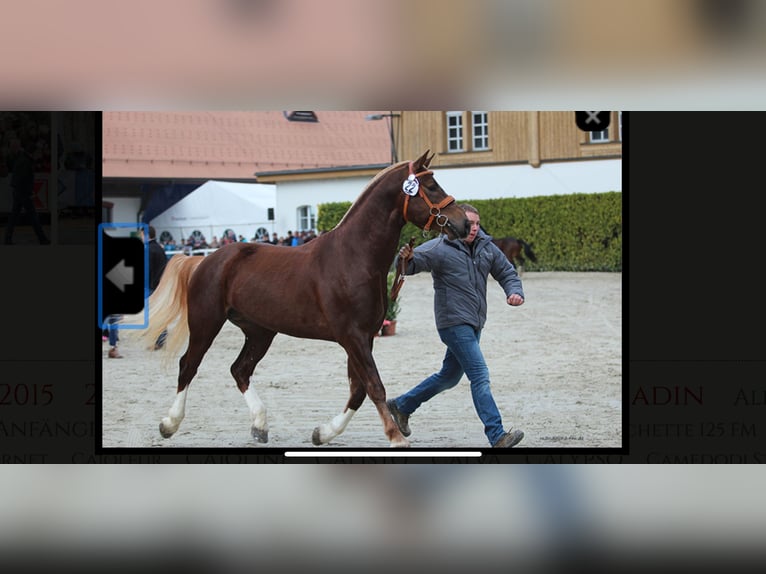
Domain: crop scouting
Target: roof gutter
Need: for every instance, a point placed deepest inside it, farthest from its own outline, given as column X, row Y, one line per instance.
column 377, row 166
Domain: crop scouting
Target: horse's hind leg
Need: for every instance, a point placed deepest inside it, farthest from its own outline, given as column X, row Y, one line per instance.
column 326, row 432
column 257, row 342
column 200, row 338
column 364, row 380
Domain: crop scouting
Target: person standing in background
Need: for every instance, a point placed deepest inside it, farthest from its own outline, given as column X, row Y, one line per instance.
column 22, row 168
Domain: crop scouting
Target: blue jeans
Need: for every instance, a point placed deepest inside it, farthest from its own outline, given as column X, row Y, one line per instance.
column 113, row 329
column 463, row 356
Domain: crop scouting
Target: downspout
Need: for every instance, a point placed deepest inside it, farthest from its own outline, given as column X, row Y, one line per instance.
column 533, row 138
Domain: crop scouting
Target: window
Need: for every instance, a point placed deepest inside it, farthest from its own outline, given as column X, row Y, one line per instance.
column 478, row 134
column 599, row 137
column 261, row 232
column 166, row 237
column 301, row 116
column 306, row 218
column 454, row 131
column 480, row 131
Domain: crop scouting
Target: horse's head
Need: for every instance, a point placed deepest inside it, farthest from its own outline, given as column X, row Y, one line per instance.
column 427, row 205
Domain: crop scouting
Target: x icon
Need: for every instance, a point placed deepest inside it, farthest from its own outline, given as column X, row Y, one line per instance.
column 592, row 117
column 592, row 121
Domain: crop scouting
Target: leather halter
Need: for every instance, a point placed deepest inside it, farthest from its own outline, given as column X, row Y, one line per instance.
column 435, row 210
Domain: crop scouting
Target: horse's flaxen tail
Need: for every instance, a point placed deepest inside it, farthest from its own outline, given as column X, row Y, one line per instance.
column 528, row 251
column 168, row 305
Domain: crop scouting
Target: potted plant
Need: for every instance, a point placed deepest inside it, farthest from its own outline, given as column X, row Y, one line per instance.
column 389, row 323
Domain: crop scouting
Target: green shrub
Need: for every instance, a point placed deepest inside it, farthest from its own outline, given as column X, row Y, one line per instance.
column 576, row 232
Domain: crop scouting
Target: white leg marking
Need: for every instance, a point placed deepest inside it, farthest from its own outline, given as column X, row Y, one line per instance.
column 404, row 443
column 257, row 409
column 337, row 425
column 176, row 413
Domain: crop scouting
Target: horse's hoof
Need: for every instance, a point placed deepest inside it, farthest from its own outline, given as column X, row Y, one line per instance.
column 315, row 437
column 163, row 432
column 259, row 435
column 404, row 444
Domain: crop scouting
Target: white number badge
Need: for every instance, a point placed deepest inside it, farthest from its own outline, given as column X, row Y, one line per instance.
column 411, row 185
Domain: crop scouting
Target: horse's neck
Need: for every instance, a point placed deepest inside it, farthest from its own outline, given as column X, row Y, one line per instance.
column 372, row 227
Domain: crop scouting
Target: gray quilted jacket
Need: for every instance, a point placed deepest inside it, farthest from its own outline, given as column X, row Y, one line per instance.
column 459, row 273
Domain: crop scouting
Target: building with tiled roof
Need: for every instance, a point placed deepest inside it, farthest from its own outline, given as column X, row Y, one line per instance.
column 236, row 145
column 153, row 159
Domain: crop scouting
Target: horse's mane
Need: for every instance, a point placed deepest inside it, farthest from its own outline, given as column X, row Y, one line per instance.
column 373, row 182
column 381, row 174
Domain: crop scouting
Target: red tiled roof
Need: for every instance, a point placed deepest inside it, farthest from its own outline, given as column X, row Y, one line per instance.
column 236, row 145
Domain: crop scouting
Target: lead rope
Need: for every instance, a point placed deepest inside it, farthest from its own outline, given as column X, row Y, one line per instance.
column 399, row 277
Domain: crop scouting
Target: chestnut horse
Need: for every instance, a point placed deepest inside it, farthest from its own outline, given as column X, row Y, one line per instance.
column 332, row 288
column 512, row 247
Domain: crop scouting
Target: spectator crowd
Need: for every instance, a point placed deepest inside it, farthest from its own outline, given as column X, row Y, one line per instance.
column 197, row 241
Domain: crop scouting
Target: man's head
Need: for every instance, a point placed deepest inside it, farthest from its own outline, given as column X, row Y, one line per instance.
column 473, row 216
column 152, row 233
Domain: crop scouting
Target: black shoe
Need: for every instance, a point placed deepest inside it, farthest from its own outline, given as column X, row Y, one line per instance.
column 45, row 241
column 509, row 439
column 8, row 241
column 401, row 420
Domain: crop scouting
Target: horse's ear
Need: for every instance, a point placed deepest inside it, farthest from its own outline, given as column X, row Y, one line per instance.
column 422, row 161
column 428, row 161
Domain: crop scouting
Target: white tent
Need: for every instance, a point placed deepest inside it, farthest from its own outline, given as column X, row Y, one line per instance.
column 218, row 206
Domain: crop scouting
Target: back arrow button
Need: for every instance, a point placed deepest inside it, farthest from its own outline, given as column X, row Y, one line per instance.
column 121, row 275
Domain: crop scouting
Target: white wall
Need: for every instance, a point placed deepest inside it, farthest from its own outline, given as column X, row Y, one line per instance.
column 492, row 182
column 292, row 195
column 594, row 176
column 125, row 210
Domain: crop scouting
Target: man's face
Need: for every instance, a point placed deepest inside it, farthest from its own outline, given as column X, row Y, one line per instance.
column 475, row 220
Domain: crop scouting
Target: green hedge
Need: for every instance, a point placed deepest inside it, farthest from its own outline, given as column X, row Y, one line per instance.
column 576, row 232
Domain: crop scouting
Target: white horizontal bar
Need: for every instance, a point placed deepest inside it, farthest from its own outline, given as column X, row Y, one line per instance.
column 386, row 453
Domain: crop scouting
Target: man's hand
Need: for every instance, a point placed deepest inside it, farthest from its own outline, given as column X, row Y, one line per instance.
column 405, row 252
column 515, row 300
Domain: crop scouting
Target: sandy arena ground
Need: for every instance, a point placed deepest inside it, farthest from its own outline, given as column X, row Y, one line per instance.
column 555, row 365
